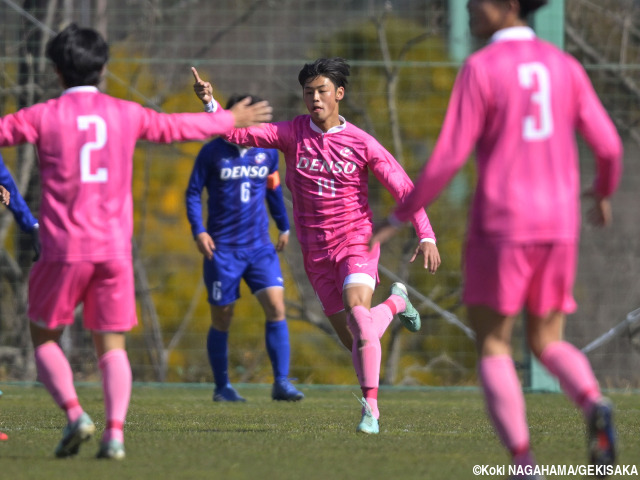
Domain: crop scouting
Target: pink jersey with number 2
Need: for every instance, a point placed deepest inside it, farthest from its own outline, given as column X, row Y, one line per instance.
column 85, row 141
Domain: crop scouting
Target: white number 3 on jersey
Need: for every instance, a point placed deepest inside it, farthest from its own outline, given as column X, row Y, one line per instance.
column 540, row 126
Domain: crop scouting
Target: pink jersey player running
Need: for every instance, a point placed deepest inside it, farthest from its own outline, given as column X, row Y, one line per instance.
column 519, row 102
column 328, row 161
column 85, row 141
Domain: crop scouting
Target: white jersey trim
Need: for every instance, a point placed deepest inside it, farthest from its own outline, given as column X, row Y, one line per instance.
column 513, row 33
column 337, row 128
column 83, row 88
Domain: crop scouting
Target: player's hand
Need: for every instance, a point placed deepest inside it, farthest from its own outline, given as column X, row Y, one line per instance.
column 431, row 256
column 599, row 214
column 205, row 244
column 203, row 89
column 35, row 243
column 5, row 196
column 283, row 241
column 247, row 115
column 382, row 233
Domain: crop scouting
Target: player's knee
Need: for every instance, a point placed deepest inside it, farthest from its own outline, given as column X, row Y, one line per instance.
column 222, row 323
column 275, row 312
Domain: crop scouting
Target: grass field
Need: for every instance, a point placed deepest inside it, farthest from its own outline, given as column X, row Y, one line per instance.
column 177, row 432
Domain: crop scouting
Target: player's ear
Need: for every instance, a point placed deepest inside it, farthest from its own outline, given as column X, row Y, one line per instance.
column 339, row 93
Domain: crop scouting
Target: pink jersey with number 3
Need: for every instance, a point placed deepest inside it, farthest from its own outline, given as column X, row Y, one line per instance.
column 85, row 141
column 327, row 174
column 519, row 102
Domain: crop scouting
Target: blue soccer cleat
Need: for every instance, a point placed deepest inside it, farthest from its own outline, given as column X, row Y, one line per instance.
column 368, row 424
column 602, row 437
column 410, row 318
column 284, row 390
column 227, row 394
column 74, row 434
column 111, row 449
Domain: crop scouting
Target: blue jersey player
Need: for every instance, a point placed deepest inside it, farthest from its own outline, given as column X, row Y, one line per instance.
column 236, row 245
column 20, row 210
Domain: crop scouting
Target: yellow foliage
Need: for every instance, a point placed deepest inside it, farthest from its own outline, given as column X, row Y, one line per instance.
column 170, row 203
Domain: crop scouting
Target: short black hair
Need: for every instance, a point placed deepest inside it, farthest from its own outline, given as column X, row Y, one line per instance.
column 238, row 97
column 529, row 6
column 335, row 69
column 79, row 54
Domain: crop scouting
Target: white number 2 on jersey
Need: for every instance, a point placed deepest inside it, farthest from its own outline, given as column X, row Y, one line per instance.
column 540, row 127
column 84, row 123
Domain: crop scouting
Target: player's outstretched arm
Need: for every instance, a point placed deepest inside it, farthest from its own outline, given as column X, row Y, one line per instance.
column 245, row 114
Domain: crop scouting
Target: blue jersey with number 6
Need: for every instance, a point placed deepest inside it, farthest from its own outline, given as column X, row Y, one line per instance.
column 238, row 180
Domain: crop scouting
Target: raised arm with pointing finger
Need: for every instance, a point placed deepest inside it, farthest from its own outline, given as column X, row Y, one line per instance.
column 245, row 113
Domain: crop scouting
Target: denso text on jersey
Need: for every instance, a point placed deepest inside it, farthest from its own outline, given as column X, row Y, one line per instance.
column 244, row 171
column 321, row 165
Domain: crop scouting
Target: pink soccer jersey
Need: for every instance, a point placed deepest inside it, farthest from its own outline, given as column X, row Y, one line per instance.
column 327, row 174
column 519, row 102
column 85, row 141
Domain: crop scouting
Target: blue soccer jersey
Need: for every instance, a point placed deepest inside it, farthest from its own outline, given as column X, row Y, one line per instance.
column 238, row 181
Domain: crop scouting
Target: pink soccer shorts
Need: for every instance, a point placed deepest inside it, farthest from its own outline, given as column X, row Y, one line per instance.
column 351, row 261
column 106, row 289
column 507, row 277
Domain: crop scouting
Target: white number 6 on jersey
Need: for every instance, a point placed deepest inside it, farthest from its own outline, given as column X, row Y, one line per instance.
column 84, row 123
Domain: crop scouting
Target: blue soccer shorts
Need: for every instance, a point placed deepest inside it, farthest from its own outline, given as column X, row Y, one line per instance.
column 259, row 267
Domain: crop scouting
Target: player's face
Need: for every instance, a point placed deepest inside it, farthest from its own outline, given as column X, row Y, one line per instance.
column 488, row 16
column 321, row 98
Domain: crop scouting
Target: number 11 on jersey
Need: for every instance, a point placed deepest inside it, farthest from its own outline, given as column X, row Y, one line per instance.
column 327, row 185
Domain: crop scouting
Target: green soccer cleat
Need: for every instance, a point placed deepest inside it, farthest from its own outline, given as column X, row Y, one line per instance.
column 74, row 434
column 410, row 318
column 369, row 424
column 111, row 449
